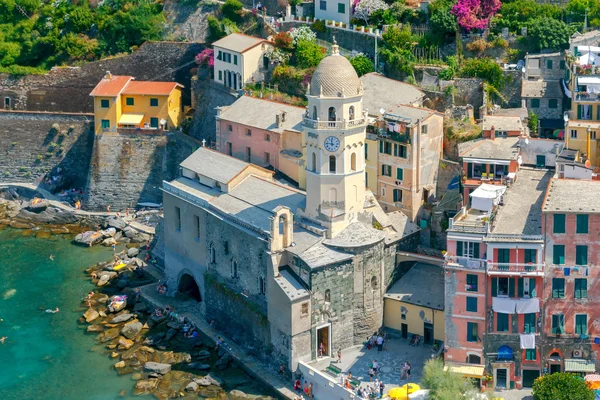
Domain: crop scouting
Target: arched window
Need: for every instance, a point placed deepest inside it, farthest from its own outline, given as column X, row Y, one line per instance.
column 315, row 113
column 281, row 224
column 353, row 162
column 332, row 164
column 314, row 162
column 213, row 256
column 473, row 359
column 328, row 296
column 332, row 113
column 351, row 113
column 234, row 269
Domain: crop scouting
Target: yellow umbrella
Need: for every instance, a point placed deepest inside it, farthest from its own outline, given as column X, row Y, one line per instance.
column 410, row 388
column 401, row 393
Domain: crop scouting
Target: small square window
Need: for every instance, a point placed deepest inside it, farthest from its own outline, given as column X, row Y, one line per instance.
column 403, row 317
column 323, row 5
column 129, row 101
column 535, row 103
column 553, row 103
column 230, row 128
column 472, row 304
column 153, row 102
column 267, row 137
column 424, row 129
column 248, row 132
column 530, row 354
column 573, row 134
column 104, row 103
column 105, row 124
column 235, row 59
column 341, row 8
column 304, row 308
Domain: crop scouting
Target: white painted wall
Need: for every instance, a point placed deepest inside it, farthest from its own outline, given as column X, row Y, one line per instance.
column 546, row 147
column 325, row 387
column 331, row 13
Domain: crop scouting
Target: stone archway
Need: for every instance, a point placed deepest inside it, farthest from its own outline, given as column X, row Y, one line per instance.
column 188, row 288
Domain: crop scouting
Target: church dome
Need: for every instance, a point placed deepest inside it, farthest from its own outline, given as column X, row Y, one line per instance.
column 335, row 77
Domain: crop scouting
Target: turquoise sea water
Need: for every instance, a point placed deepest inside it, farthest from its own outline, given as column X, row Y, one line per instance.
column 47, row 356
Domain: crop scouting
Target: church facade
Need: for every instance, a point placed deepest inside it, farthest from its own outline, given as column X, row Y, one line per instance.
column 280, row 270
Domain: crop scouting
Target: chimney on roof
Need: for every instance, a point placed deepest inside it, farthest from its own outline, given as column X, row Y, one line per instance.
column 278, row 120
column 492, row 132
column 108, row 75
column 283, row 116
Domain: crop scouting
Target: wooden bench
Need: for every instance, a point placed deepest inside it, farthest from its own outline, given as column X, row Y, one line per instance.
column 354, row 383
column 333, row 370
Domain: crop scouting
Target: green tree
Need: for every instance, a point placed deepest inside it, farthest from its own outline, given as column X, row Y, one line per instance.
column 362, row 64
column 397, row 49
column 81, row 19
column 308, row 54
column 483, row 68
column 561, row 386
column 233, row 9
column 443, row 385
column 441, row 20
column 548, row 33
column 518, row 14
column 532, row 124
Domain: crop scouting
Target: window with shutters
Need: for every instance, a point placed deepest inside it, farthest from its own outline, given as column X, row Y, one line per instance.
column 558, row 324
column 467, row 249
column 581, row 324
column 529, row 323
column 399, row 174
column 562, row 64
column 385, row 147
column 503, row 287
column 530, row 256
column 582, row 222
column 558, row 288
column 501, row 322
column 503, row 258
column 530, row 354
column 386, row 170
column 574, row 132
column 558, row 254
column 401, row 151
column 580, row 288
column 104, row 103
column 559, row 223
column 472, row 283
column 471, row 304
column 472, row 331
column 397, row 195
column 129, row 101
column 177, row 218
column 581, row 255
column 366, row 151
column 549, row 64
column 553, row 103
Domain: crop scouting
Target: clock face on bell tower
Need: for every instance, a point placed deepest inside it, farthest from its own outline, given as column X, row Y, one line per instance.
column 332, row 144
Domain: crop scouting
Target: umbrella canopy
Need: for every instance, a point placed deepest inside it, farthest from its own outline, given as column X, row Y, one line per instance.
column 592, row 377
column 410, row 387
column 401, row 393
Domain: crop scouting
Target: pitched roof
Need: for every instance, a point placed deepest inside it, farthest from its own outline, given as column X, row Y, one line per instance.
column 412, row 113
column 151, row 88
column 501, row 123
column 422, row 285
column 260, row 113
column 541, row 88
column 112, row 86
column 381, row 92
column 214, row 165
column 497, row 149
column 238, row 42
column 573, row 196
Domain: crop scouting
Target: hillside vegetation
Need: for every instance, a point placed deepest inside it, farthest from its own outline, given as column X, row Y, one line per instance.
column 37, row 35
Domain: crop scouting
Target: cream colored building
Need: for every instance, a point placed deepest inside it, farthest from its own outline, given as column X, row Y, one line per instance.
column 240, row 59
column 410, row 149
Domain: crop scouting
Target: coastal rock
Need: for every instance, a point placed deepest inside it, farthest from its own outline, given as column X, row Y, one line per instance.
column 117, row 223
column 114, row 354
column 133, row 252
column 129, row 232
column 89, row 238
column 62, row 230
column 199, row 366
column 95, row 328
column 136, row 377
column 131, row 329
column 237, row 395
column 213, row 392
column 157, row 367
column 121, row 318
column 170, row 334
column 124, row 240
column 109, row 334
column 120, row 364
column 191, row 387
column 124, row 344
column 155, row 375
column 141, row 238
column 223, row 362
column 103, row 280
column 109, row 233
column 140, row 307
column 109, row 242
column 90, row 315
column 145, row 385
column 110, row 274
column 203, row 354
column 20, row 225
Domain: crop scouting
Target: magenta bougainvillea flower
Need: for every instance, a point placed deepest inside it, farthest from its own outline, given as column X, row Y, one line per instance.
column 475, row 14
column 207, row 56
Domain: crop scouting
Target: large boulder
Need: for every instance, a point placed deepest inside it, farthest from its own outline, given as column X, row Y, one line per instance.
column 89, row 238
column 223, row 362
column 104, row 279
column 191, row 387
column 132, row 329
column 170, row 334
column 160, row 368
column 109, row 334
column 203, row 355
column 237, row 395
column 133, row 252
column 109, row 242
column 145, row 386
column 124, row 344
column 90, row 315
column 121, row 318
column 199, row 366
column 208, row 381
column 109, row 233
column 117, row 223
column 141, row 238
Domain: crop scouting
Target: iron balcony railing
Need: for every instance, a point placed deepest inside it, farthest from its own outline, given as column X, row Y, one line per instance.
column 466, row 262
column 521, row 268
column 317, row 124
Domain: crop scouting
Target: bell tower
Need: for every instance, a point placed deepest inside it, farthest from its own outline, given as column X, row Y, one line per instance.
column 334, row 132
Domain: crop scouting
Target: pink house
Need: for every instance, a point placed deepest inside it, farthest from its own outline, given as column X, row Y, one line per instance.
column 262, row 132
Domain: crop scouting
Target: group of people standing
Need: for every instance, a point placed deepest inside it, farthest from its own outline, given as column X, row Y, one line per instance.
column 378, row 339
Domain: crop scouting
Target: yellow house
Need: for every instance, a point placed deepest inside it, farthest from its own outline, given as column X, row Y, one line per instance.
column 414, row 305
column 120, row 102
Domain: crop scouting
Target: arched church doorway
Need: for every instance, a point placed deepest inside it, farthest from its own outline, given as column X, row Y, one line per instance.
column 188, row 288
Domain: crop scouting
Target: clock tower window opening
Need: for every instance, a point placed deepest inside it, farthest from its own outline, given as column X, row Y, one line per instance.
column 314, row 162
column 353, row 162
column 332, row 114
column 315, row 113
column 332, row 162
column 351, row 113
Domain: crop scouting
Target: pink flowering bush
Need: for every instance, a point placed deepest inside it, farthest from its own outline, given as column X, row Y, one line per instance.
column 475, row 14
column 207, row 56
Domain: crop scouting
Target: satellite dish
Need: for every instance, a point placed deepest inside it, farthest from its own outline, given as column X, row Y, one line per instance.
column 382, row 111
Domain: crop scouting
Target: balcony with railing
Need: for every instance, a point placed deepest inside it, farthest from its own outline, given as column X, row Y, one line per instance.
column 318, row 124
column 587, row 96
column 522, row 269
column 465, row 262
column 471, row 220
column 402, row 137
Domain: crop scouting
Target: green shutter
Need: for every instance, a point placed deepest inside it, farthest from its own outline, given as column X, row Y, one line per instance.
column 459, row 248
column 555, row 324
column 520, row 287
column 580, row 324
column 399, row 174
column 581, row 255
column 559, row 223
column 476, row 250
column 549, row 64
column 472, row 304
column 382, row 169
column 579, row 111
column 494, row 287
column 562, row 64
column 469, row 170
column 558, row 254
column 381, row 146
column 529, row 323
column 395, row 150
column 532, row 291
column 502, row 325
column 511, row 287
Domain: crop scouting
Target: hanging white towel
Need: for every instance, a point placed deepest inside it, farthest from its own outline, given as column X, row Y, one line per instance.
column 527, row 306
column 503, row 305
column 528, row 341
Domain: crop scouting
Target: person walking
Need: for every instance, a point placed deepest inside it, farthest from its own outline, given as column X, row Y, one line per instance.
column 371, row 374
column 310, row 391
column 339, row 356
column 379, row 343
column 375, row 366
column 381, row 387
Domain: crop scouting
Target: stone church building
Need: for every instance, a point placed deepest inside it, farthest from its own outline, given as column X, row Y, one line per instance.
column 279, row 269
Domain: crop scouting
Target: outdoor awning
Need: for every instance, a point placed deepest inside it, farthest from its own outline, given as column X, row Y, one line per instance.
column 575, row 365
column 131, row 119
column 505, row 353
column 468, row 370
column 588, row 80
column 565, row 88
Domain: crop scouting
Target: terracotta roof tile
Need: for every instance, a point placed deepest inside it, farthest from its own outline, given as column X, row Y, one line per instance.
column 150, row 87
column 111, row 87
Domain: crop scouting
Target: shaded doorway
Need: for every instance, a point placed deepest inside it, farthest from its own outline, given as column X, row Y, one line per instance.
column 404, row 329
column 427, row 333
column 323, row 337
column 554, row 368
column 501, row 376
column 530, row 375
column 188, row 288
